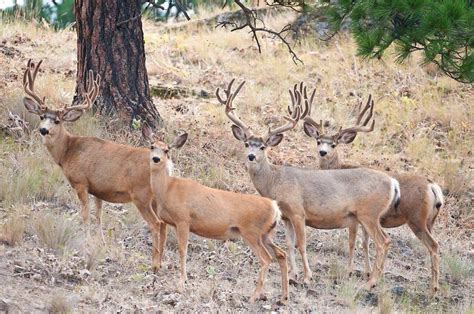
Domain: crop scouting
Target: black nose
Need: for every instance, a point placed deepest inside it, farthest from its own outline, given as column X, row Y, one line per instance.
column 156, row 159
column 322, row 153
column 251, row 157
column 44, row 131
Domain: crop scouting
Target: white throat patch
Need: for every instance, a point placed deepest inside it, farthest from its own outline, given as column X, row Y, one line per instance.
column 169, row 167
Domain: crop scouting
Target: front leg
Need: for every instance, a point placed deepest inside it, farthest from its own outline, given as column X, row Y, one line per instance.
column 182, row 233
column 82, row 194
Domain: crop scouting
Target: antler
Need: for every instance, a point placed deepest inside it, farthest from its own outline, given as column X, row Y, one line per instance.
column 362, row 127
column 292, row 122
column 29, row 82
column 229, row 110
column 92, row 90
column 296, row 96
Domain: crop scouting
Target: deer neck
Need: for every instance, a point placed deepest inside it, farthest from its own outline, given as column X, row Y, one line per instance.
column 59, row 148
column 332, row 162
column 159, row 181
column 262, row 174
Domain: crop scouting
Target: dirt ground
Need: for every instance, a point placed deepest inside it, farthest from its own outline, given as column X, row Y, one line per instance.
column 424, row 125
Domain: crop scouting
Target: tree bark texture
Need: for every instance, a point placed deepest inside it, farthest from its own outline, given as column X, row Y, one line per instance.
column 110, row 43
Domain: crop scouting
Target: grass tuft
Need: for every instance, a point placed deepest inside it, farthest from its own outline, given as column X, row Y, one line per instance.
column 13, row 230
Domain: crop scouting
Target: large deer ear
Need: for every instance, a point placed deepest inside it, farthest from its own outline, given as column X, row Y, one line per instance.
column 72, row 115
column 179, row 141
column 274, row 140
column 31, row 105
column 147, row 132
column 239, row 133
column 311, row 130
column 347, row 137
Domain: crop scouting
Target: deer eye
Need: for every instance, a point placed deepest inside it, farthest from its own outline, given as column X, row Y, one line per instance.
column 166, row 151
column 41, row 117
column 318, row 142
column 56, row 121
column 333, row 145
column 152, row 147
column 262, row 147
column 246, row 144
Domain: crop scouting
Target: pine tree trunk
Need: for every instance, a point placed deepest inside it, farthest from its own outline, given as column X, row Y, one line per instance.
column 110, row 42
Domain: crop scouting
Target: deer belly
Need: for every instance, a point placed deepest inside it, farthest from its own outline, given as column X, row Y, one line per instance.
column 330, row 222
column 112, row 196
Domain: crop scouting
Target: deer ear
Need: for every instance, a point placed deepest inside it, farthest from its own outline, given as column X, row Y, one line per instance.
column 311, row 130
column 147, row 132
column 179, row 141
column 72, row 115
column 239, row 133
column 31, row 105
column 347, row 137
column 274, row 140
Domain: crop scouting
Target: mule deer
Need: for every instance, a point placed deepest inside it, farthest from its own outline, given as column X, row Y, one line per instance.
column 421, row 198
column 216, row 214
column 110, row 172
column 328, row 199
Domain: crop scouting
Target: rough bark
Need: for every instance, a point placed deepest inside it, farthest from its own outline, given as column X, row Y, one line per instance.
column 110, row 42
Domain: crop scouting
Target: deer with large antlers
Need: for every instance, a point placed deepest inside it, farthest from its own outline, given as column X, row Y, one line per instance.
column 212, row 213
column 421, row 199
column 110, row 172
column 323, row 199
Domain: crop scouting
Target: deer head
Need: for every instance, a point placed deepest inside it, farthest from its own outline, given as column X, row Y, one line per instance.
column 256, row 145
column 52, row 119
column 159, row 158
column 327, row 143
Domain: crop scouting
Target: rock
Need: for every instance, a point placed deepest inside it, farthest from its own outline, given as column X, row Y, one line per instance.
column 398, row 290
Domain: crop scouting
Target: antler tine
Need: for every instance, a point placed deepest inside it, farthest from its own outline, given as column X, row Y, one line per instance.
column 229, row 110
column 295, row 96
column 370, row 106
column 292, row 122
column 29, row 81
column 92, row 90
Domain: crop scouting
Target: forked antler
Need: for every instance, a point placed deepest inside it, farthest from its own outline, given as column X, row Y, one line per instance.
column 229, row 110
column 292, row 122
column 296, row 97
column 362, row 127
column 92, row 90
column 29, row 83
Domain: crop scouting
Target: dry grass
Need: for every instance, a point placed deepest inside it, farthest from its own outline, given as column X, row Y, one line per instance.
column 13, row 230
column 423, row 125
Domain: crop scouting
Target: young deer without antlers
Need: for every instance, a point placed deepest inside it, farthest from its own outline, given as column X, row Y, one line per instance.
column 421, row 199
column 328, row 199
column 109, row 171
column 216, row 214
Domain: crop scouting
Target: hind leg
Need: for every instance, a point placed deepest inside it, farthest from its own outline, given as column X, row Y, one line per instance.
column 265, row 258
column 365, row 247
column 98, row 210
column 291, row 242
column 280, row 255
column 431, row 244
column 352, row 238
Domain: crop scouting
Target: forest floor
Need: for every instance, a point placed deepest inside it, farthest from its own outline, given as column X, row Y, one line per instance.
column 424, row 124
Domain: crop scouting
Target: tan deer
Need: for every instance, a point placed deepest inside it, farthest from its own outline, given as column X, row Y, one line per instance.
column 215, row 214
column 110, row 172
column 329, row 199
column 421, row 199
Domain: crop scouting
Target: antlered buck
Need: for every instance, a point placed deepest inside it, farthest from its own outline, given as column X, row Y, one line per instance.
column 216, row 214
column 110, row 172
column 421, row 199
column 324, row 199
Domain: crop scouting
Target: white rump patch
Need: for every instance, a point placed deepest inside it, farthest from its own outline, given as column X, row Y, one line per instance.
column 277, row 211
column 169, row 167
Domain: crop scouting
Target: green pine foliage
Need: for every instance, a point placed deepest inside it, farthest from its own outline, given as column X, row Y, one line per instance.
column 442, row 29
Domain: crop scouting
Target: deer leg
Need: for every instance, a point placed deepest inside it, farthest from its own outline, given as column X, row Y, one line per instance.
column 280, row 255
column 352, row 238
column 381, row 242
column 162, row 242
column 432, row 245
column 143, row 203
column 259, row 249
column 98, row 209
column 365, row 247
column 299, row 225
column 82, row 195
column 182, row 233
column 290, row 242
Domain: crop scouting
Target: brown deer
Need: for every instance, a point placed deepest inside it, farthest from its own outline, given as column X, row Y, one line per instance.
column 110, row 172
column 216, row 214
column 421, row 199
column 329, row 199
